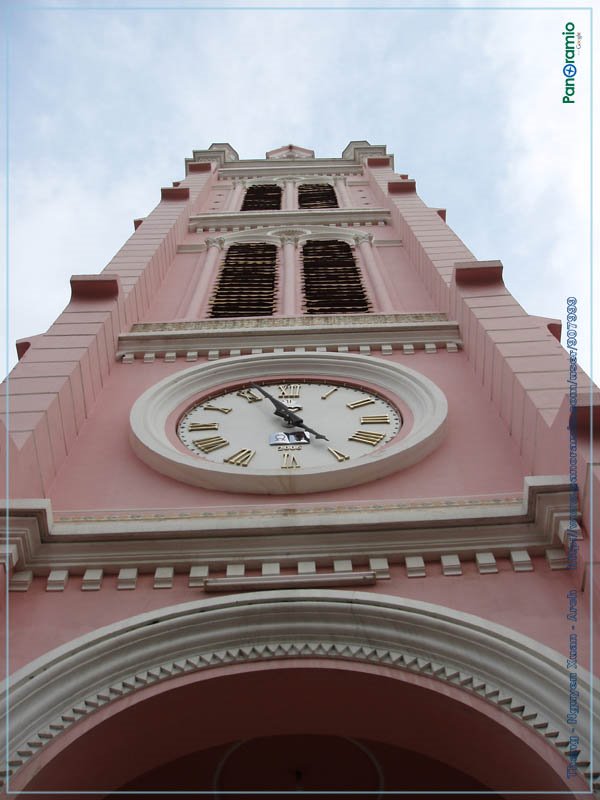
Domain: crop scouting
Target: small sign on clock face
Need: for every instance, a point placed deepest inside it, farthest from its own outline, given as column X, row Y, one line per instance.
column 289, row 425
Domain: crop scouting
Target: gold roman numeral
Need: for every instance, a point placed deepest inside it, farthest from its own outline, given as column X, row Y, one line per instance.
column 216, row 408
column 210, row 443
column 288, row 461
column 249, row 395
column 337, row 455
column 329, row 393
column 203, row 426
column 289, row 390
column 367, row 437
column 375, row 419
column 366, row 401
column 241, row 459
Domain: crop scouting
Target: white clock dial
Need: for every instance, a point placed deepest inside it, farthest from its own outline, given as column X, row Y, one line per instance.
column 289, row 425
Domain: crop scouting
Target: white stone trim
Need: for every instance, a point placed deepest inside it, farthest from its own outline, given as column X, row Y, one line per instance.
column 127, row 578
column 451, row 565
column 415, row 567
column 255, row 223
column 517, row 674
column 57, row 580
column 316, row 333
column 521, row 561
column 92, row 580
column 149, row 415
column 21, row 581
column 486, row 563
column 163, row 577
column 360, row 531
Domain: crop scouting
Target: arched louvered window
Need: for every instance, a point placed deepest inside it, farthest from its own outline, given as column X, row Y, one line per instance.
column 316, row 195
column 332, row 280
column 262, row 197
column 247, row 282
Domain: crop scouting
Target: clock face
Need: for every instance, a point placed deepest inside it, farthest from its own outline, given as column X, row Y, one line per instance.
column 288, row 426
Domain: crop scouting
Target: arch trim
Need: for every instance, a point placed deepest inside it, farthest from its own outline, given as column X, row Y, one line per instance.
column 517, row 674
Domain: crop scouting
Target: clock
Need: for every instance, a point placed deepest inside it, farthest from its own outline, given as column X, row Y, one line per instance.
column 290, row 424
column 287, row 423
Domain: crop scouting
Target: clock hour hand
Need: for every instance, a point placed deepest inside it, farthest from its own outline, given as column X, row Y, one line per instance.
column 281, row 410
column 300, row 424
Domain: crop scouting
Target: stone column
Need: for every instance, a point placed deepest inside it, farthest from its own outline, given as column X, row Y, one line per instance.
column 199, row 301
column 380, row 294
column 290, row 276
column 288, row 199
column 342, row 192
column 235, row 198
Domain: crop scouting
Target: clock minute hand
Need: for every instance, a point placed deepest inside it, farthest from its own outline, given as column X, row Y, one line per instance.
column 281, row 410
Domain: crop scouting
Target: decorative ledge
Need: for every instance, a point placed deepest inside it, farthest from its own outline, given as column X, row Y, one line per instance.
column 402, row 186
column 242, row 220
column 220, row 337
column 199, row 166
column 304, row 581
column 466, row 272
column 378, row 162
column 93, row 287
column 481, row 529
column 175, row 193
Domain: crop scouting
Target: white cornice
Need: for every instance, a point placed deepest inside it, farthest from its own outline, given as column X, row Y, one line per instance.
column 321, row 532
column 224, row 337
column 317, row 166
column 240, row 220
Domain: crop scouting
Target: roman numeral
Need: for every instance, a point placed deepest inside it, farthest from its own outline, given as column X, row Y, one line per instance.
column 210, row 443
column 288, row 461
column 375, row 419
column 240, row 459
column 329, row 393
column 203, row 426
column 289, row 391
column 366, row 401
column 337, row 455
column 216, row 408
column 249, row 395
column 367, row 437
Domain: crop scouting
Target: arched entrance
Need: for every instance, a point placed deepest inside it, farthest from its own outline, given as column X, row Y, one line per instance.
column 312, row 688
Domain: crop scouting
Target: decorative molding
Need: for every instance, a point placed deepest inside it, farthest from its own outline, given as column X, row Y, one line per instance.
column 395, row 331
column 249, row 220
column 315, row 167
column 306, row 322
column 518, row 675
column 486, row 563
column 146, row 539
column 309, row 580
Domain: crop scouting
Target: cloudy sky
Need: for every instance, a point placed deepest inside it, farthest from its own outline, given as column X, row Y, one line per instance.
column 106, row 99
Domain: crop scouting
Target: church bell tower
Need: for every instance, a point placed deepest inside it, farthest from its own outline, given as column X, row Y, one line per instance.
column 292, row 505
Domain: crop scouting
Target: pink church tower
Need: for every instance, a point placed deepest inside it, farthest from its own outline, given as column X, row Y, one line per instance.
column 300, row 500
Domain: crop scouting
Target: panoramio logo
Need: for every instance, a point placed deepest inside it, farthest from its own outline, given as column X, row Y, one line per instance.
column 569, row 69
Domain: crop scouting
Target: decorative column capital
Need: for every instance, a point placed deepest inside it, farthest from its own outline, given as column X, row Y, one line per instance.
column 218, row 242
column 363, row 238
column 290, row 236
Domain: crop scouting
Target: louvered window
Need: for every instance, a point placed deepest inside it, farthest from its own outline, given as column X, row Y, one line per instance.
column 332, row 280
column 262, row 197
column 247, row 282
column 316, row 195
